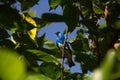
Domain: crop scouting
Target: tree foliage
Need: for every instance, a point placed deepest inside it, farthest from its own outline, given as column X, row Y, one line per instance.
column 24, row 54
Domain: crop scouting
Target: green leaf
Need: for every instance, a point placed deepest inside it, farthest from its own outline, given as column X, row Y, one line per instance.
column 98, row 10
column 19, row 36
column 32, row 13
column 71, row 13
column 11, row 22
column 54, row 3
column 27, row 4
column 50, row 44
column 74, row 76
column 50, row 70
column 40, row 22
column 118, row 1
column 88, row 62
column 11, row 66
column 77, row 76
column 86, row 8
column 102, row 26
column 106, row 68
column 115, row 12
column 109, row 61
column 44, row 56
column 107, row 35
column 117, row 24
column 56, row 52
column 85, row 45
column 77, row 45
column 52, row 17
column 89, row 24
column 36, row 77
column 40, row 41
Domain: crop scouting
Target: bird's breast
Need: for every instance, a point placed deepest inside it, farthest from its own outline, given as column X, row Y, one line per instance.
column 60, row 45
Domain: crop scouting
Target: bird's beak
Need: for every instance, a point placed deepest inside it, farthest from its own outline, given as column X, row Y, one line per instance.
column 57, row 33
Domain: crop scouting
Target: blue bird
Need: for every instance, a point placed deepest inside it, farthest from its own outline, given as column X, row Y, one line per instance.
column 68, row 53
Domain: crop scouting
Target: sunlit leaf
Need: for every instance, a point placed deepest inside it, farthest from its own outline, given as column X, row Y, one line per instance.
column 11, row 66
column 54, row 3
column 29, row 20
column 102, row 26
column 37, row 77
column 32, row 13
column 31, row 32
column 50, row 44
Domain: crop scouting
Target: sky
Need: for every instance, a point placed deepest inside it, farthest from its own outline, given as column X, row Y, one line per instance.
column 43, row 7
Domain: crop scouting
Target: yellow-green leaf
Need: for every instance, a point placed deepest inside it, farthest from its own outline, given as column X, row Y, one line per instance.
column 12, row 66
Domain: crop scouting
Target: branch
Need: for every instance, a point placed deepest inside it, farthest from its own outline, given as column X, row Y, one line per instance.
column 66, row 36
column 81, row 14
column 107, row 17
column 95, row 41
column 63, row 54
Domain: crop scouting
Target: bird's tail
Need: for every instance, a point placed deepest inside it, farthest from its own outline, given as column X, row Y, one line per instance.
column 71, row 63
column 68, row 55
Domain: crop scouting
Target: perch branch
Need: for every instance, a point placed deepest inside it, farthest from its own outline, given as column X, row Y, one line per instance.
column 63, row 54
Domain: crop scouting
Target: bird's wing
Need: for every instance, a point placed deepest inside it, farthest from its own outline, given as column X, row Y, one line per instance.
column 61, row 36
column 68, row 47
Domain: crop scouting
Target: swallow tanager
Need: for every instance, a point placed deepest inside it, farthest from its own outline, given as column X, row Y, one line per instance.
column 67, row 51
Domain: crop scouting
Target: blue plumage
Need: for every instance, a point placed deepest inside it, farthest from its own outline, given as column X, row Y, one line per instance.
column 68, row 53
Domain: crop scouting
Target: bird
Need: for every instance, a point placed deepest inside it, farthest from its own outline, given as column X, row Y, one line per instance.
column 67, row 51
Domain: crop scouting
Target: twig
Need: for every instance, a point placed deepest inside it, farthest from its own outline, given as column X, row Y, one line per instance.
column 63, row 54
column 81, row 14
column 107, row 17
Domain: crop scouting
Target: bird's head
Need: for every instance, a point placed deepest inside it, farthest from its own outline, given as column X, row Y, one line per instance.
column 57, row 33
